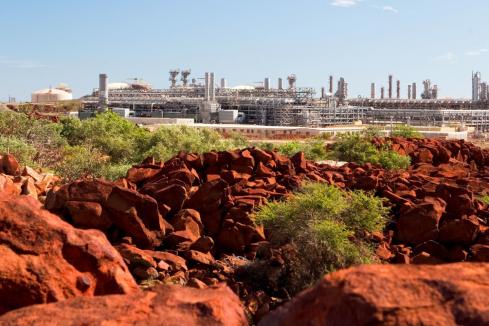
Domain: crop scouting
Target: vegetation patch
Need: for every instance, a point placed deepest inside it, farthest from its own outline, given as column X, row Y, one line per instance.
column 328, row 228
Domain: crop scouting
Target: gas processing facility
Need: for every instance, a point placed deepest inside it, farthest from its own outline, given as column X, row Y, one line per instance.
column 213, row 101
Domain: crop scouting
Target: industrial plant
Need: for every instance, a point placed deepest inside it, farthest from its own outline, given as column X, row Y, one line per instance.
column 286, row 104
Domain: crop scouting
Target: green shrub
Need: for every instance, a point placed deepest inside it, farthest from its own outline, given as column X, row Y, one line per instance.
column 23, row 152
column 327, row 226
column 372, row 132
column 167, row 141
column 359, row 149
column 484, row 199
column 392, row 160
column 79, row 162
column 314, row 148
column 405, row 131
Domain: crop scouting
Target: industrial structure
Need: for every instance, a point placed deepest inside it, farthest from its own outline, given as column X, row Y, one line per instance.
column 206, row 102
column 264, row 104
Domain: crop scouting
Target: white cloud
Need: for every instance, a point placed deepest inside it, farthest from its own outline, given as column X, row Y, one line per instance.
column 20, row 64
column 345, row 3
column 448, row 57
column 391, row 9
column 476, row 52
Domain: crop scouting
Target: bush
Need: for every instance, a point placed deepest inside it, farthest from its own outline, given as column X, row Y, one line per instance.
column 359, row 149
column 167, row 141
column 405, row 131
column 314, row 148
column 23, row 152
column 327, row 226
column 81, row 161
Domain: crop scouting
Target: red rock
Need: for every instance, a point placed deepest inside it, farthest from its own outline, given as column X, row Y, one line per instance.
column 300, row 162
column 188, row 220
column 196, row 283
column 177, row 263
column 203, row 244
column 10, row 165
column 463, row 231
column 480, row 252
column 137, row 215
column 136, row 256
column 451, row 294
column 433, row 248
column 137, row 175
column 174, row 196
column 7, row 188
column 168, row 305
column 200, row 257
column 88, row 215
column 420, row 223
column 425, row 258
column 44, row 259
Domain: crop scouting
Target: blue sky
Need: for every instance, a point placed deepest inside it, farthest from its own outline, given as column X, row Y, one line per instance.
column 47, row 42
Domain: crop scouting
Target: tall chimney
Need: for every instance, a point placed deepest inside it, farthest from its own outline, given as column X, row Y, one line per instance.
column 103, row 92
column 390, row 86
column 331, row 85
column 212, row 88
column 409, row 92
column 398, row 89
column 266, row 84
column 206, row 87
column 223, row 83
column 382, row 92
column 323, row 92
column 414, row 91
column 372, row 90
column 280, row 85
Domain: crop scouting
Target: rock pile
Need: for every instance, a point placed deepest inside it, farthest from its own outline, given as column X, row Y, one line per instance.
column 16, row 181
column 192, row 207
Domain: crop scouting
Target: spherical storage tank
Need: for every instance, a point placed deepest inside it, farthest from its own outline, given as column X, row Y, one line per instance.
column 50, row 95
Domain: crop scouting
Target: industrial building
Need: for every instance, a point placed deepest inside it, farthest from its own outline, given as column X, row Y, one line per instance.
column 290, row 105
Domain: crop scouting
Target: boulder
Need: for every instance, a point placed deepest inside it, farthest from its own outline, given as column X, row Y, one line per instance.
column 453, row 294
column 164, row 305
column 45, row 259
column 419, row 223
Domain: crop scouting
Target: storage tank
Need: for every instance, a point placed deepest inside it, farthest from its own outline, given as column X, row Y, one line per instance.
column 50, row 95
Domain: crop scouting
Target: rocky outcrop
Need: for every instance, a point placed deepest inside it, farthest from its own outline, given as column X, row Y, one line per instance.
column 16, row 181
column 453, row 294
column 45, row 259
column 165, row 305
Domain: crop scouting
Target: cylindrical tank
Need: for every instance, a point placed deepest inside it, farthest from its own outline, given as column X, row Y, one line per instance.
column 50, row 96
column 223, row 83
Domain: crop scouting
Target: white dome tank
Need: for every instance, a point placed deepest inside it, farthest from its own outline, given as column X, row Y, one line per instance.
column 50, row 95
